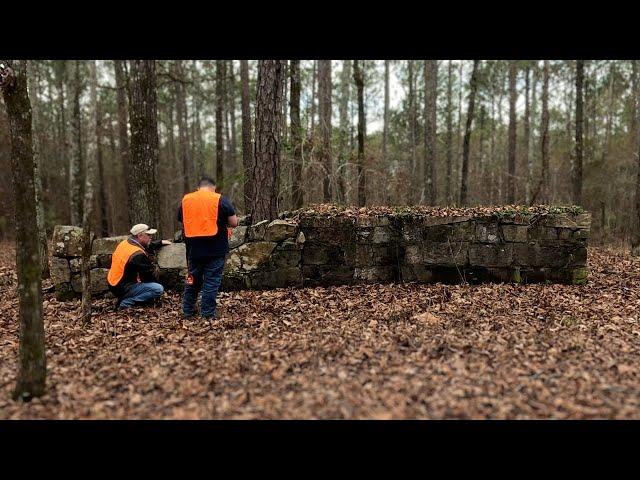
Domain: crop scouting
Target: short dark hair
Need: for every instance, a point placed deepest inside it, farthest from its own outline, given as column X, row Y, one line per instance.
column 206, row 180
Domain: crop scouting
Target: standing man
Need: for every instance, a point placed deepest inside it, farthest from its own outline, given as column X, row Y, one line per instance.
column 132, row 277
column 205, row 216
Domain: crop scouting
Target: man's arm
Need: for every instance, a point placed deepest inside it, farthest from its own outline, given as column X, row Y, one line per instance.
column 230, row 212
column 232, row 221
column 144, row 268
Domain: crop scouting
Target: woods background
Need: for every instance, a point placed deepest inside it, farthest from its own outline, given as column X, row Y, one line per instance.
column 534, row 131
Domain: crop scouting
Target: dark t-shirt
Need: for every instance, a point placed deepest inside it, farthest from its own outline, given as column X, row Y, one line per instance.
column 199, row 248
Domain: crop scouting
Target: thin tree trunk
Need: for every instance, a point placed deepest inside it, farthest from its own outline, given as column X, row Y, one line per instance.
column 89, row 181
column 247, row 148
column 467, row 133
column 345, row 84
column 296, row 134
column 220, row 74
column 32, row 362
column 449, row 139
column 266, row 168
column 76, row 157
column 231, row 94
column 123, row 134
column 358, row 77
column 313, row 101
column 385, row 125
column 527, row 134
column 511, row 154
column 144, row 143
column 104, row 223
column 430, row 129
column 543, row 186
column 577, row 170
column 412, row 132
column 324, row 121
column 37, row 172
column 183, row 133
column 635, row 234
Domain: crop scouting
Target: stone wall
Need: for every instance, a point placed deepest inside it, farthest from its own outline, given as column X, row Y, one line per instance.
column 310, row 249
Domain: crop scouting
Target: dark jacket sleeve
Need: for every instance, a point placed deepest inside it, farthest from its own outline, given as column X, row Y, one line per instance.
column 154, row 246
column 144, row 268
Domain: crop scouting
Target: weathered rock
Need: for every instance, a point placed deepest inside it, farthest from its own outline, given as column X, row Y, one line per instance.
column 64, row 292
column 279, row 278
column 448, row 254
column 374, row 274
column 286, row 258
column 368, row 255
column 173, row 278
column 106, row 245
column 75, row 264
column 514, row 233
column 487, row 232
column 300, row 238
column 60, row 271
column 488, row 255
column 233, row 262
column 256, row 232
column 279, row 230
column 67, row 241
column 173, row 256
column 238, row 237
column 255, row 254
column 98, row 281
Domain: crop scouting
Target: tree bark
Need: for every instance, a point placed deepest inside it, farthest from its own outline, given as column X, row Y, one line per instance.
column 266, row 167
column 144, row 143
column 511, row 154
column 32, row 362
column 385, row 124
column 345, row 84
column 577, row 166
column 449, row 139
column 358, row 78
column 430, row 129
column 324, row 121
column 76, row 159
column 544, row 136
column 123, row 134
column 231, row 95
column 296, row 134
column 220, row 74
column 413, row 115
column 183, row 132
column 635, row 235
column 89, row 181
column 37, row 172
column 527, row 134
column 247, row 148
column 312, row 116
column 473, row 86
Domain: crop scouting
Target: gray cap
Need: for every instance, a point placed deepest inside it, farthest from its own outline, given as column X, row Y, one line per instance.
column 142, row 228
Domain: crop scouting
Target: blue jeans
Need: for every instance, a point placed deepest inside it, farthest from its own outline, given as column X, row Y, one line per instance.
column 138, row 293
column 207, row 275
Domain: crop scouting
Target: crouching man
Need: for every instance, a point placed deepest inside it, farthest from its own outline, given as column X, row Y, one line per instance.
column 133, row 278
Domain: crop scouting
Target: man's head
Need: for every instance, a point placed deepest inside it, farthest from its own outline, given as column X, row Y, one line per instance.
column 142, row 233
column 207, row 183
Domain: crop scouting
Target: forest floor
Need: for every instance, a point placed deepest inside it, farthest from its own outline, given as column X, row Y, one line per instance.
column 376, row 351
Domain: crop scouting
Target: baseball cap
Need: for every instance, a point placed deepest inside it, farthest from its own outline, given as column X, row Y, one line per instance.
column 142, row 228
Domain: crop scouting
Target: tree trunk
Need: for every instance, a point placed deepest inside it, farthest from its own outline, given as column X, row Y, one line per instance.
column 32, row 362
column 345, row 83
column 324, row 121
column 104, row 223
column 231, row 95
column 89, row 181
column 430, row 129
column 312, row 116
column 123, row 134
column 144, row 143
column 527, row 134
column 37, row 172
column 635, row 235
column 76, row 157
column 577, row 170
column 385, row 124
column 220, row 74
column 449, row 140
column 183, row 133
column 473, row 86
column 511, row 154
column 413, row 114
column 358, row 78
column 544, row 136
column 296, row 135
column 266, row 167
column 247, row 149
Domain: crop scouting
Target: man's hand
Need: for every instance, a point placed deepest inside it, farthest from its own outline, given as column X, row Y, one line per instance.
column 166, row 242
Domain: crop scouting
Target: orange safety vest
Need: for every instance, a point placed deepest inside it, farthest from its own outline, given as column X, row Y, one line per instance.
column 200, row 213
column 124, row 251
